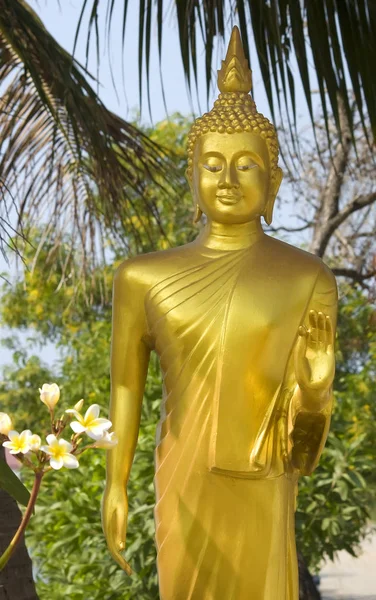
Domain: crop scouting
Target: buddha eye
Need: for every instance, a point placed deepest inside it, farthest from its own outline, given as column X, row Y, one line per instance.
column 213, row 168
column 245, row 164
column 246, row 167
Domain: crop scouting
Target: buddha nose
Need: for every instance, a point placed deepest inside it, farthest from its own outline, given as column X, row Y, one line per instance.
column 229, row 178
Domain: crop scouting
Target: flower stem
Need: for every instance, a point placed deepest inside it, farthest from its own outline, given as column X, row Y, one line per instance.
column 25, row 520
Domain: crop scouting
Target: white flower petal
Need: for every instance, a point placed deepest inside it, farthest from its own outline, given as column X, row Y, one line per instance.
column 70, row 461
column 8, row 444
column 24, row 435
column 94, row 435
column 52, row 439
column 34, row 442
column 109, row 440
column 95, row 432
column 66, row 445
column 12, row 435
column 46, row 449
column 5, row 423
column 73, row 411
column 56, row 463
column 92, row 412
column 104, row 423
column 77, row 427
column 50, row 394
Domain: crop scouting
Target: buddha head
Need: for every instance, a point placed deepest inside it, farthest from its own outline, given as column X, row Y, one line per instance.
column 233, row 150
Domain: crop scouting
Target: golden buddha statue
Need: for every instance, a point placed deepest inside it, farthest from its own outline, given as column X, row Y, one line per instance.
column 243, row 325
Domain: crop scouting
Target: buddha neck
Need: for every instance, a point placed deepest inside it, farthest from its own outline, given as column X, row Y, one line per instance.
column 221, row 236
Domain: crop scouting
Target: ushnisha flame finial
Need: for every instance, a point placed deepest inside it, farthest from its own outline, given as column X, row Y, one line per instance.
column 234, row 111
column 235, row 74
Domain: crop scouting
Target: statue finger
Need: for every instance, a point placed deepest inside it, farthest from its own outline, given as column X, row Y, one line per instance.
column 117, row 556
column 301, row 363
column 321, row 328
column 301, row 346
column 313, row 328
column 329, row 331
column 123, row 564
column 115, row 548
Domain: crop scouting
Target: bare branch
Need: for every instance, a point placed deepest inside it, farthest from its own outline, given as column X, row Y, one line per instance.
column 357, row 204
column 354, row 275
column 290, row 229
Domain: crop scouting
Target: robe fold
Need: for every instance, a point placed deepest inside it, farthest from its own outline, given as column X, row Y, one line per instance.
column 225, row 330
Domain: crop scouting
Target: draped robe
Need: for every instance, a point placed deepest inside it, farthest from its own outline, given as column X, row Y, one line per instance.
column 224, row 324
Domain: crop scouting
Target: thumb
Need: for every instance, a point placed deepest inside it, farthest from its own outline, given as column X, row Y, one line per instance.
column 301, row 345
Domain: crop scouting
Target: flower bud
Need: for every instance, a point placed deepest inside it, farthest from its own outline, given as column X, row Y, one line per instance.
column 50, row 394
column 5, row 423
column 79, row 405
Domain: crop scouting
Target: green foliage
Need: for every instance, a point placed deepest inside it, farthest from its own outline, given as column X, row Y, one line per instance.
column 334, row 503
column 19, row 390
column 65, row 536
column 67, row 526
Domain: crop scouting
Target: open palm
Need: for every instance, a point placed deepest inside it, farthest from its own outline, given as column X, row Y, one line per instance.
column 314, row 355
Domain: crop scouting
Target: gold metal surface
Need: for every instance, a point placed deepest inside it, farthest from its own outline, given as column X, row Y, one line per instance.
column 243, row 325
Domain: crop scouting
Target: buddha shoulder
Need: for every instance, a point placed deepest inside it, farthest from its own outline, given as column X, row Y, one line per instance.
column 140, row 273
column 295, row 262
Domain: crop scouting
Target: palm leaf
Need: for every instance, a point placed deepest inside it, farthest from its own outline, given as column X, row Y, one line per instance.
column 338, row 36
column 65, row 160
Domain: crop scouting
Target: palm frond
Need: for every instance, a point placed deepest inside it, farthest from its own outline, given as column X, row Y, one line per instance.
column 339, row 36
column 65, row 160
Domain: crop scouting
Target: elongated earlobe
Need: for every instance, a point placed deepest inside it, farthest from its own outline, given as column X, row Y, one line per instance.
column 276, row 182
column 198, row 214
column 268, row 214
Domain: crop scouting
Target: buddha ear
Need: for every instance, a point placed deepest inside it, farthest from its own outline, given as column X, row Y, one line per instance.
column 198, row 212
column 274, row 187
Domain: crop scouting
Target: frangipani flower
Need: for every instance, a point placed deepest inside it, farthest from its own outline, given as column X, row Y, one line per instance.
column 109, row 440
column 50, row 394
column 59, row 453
column 19, row 442
column 90, row 423
column 34, row 442
column 5, row 423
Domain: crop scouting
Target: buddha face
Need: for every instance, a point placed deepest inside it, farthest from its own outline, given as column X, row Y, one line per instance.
column 231, row 179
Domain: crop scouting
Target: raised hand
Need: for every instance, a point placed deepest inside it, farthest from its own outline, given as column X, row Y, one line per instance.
column 114, row 522
column 314, row 356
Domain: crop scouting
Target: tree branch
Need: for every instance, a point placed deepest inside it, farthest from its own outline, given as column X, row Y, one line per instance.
column 357, row 204
column 354, row 274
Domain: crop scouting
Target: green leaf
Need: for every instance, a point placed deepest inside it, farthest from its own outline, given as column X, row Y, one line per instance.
column 11, row 484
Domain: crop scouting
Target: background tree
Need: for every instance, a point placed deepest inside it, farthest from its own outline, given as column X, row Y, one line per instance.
column 65, row 160
column 333, row 504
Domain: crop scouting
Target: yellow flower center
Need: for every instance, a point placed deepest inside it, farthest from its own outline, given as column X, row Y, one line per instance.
column 58, row 452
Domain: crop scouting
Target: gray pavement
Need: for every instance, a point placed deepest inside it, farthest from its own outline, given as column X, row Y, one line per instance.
column 350, row 578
